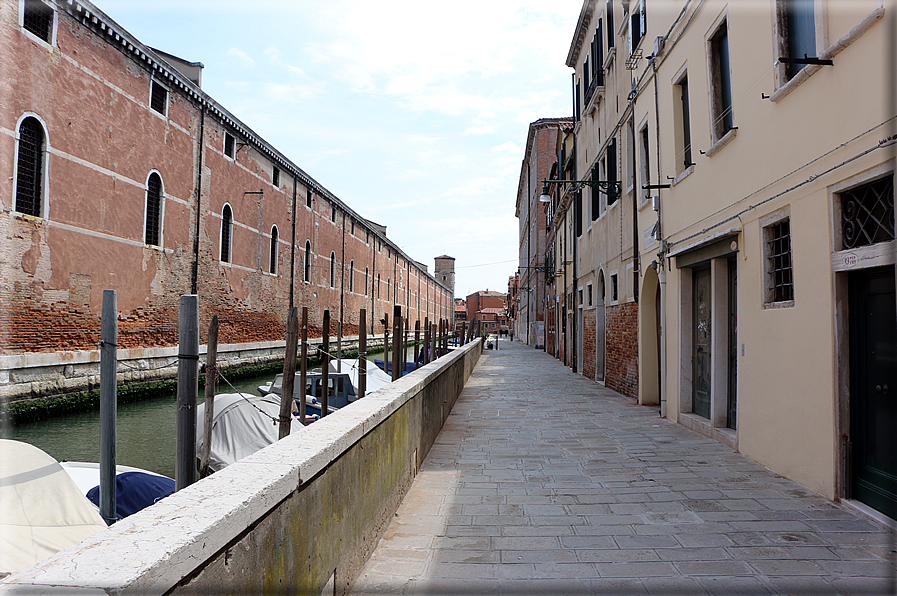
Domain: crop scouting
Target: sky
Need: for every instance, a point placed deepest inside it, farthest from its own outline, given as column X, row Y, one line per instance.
column 415, row 114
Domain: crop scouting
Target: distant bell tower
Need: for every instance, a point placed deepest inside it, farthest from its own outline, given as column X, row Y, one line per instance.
column 445, row 272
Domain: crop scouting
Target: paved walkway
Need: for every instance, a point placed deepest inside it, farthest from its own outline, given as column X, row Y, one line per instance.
column 589, row 493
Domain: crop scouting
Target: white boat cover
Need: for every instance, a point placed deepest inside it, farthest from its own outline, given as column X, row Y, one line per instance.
column 242, row 424
column 376, row 378
column 42, row 511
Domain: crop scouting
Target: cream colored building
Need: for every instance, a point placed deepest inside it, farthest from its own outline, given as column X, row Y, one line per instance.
column 766, row 251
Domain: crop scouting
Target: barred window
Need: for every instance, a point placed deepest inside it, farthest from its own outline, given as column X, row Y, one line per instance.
column 158, row 98
column 153, row 223
column 37, row 18
column 779, row 271
column 30, row 167
column 227, row 224
column 230, row 145
column 275, row 176
column 272, row 262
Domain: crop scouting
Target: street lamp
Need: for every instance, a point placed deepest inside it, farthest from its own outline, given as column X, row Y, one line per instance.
column 612, row 188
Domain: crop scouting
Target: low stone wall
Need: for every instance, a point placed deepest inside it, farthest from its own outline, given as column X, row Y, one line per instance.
column 51, row 374
column 301, row 516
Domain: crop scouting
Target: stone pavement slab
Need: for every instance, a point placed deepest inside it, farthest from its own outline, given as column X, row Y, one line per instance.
column 543, row 482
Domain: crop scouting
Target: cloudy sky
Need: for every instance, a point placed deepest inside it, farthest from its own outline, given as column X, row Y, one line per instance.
column 413, row 113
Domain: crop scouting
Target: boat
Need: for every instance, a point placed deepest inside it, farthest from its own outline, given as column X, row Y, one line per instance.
column 409, row 366
column 135, row 488
column 341, row 394
column 242, row 424
column 43, row 509
column 375, row 376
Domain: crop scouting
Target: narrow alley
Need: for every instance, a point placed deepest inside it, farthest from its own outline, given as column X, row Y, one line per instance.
column 543, row 482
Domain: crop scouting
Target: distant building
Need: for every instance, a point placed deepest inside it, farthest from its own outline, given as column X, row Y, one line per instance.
column 489, row 310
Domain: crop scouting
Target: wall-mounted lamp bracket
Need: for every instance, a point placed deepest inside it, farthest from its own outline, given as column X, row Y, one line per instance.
column 612, row 188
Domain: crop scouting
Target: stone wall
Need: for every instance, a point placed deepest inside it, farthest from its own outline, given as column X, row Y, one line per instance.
column 295, row 517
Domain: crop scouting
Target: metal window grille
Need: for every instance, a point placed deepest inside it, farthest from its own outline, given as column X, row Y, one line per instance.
column 30, row 167
column 781, row 274
column 38, row 19
column 229, row 145
column 226, row 225
column 158, row 98
column 153, row 209
column 867, row 213
column 272, row 264
column 275, row 176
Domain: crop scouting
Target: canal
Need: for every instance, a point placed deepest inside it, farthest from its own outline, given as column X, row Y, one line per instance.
column 146, row 431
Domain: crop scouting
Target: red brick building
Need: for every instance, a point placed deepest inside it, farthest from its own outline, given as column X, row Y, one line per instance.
column 121, row 173
column 489, row 309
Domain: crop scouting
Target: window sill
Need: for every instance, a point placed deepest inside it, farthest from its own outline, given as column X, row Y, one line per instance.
column 610, row 57
column 778, row 305
column 722, row 142
column 683, row 175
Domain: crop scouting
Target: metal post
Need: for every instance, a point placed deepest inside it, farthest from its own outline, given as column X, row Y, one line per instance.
column 325, row 365
column 211, row 381
column 362, row 353
column 417, row 344
column 108, row 404
column 397, row 343
column 303, row 365
column 289, row 374
column 188, row 387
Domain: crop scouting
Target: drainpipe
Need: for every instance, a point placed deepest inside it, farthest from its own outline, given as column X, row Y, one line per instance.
column 661, row 266
column 195, row 272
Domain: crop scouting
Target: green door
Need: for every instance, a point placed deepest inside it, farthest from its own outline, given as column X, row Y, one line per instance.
column 873, row 388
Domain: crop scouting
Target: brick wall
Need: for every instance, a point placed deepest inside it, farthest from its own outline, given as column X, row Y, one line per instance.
column 622, row 348
column 589, row 356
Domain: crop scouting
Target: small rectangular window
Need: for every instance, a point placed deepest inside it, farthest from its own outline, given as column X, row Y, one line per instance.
column 159, row 98
column 682, row 125
column 797, row 33
column 229, row 145
column 779, row 270
column 37, row 18
column 275, row 176
column 333, row 212
column 308, row 198
column 645, row 159
column 589, row 293
column 612, row 169
column 614, row 289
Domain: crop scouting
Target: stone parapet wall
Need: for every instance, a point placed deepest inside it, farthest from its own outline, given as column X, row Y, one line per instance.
column 295, row 517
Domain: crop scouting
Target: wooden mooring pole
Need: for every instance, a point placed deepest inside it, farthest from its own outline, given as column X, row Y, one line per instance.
column 188, row 387
column 417, row 344
column 362, row 353
column 397, row 343
column 303, row 365
column 289, row 375
column 108, row 404
column 325, row 365
column 211, row 383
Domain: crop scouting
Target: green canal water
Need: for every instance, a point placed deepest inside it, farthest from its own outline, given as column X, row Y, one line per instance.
column 146, row 431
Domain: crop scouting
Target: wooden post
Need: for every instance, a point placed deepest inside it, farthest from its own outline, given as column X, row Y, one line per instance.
column 426, row 340
column 405, row 332
column 289, row 375
column 397, row 343
column 303, row 365
column 108, row 404
column 211, row 382
column 362, row 353
column 386, row 343
column 325, row 365
column 463, row 338
column 188, row 387
column 417, row 344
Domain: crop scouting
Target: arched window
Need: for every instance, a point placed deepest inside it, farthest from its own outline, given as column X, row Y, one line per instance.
column 332, row 269
column 352, row 275
column 227, row 228
column 307, row 276
column 365, row 281
column 388, row 288
column 272, row 265
column 378, row 286
column 30, row 167
column 153, row 220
